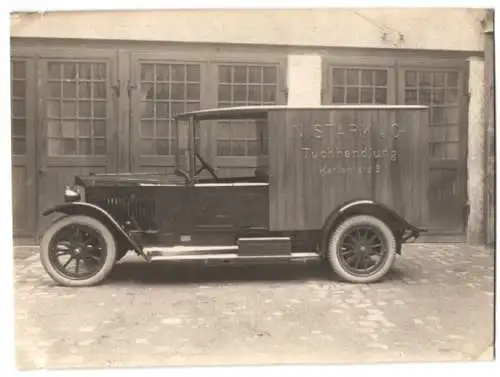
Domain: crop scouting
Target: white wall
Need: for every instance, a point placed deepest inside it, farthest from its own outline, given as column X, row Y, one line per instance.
column 425, row 28
column 475, row 157
column 304, row 80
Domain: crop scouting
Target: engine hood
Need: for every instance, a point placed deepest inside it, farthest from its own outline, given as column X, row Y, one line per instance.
column 127, row 179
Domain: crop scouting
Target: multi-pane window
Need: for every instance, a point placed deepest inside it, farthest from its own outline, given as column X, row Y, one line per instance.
column 358, row 86
column 440, row 91
column 77, row 108
column 166, row 90
column 18, row 114
column 244, row 85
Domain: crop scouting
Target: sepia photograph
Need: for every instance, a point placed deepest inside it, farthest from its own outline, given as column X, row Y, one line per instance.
column 251, row 186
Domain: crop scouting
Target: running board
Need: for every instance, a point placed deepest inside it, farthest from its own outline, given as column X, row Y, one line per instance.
column 180, row 250
column 246, row 249
column 234, row 257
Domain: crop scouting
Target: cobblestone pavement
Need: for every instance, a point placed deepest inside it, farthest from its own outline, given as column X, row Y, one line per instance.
column 436, row 305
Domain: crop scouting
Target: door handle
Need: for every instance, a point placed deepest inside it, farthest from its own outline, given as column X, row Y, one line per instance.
column 42, row 171
column 116, row 88
column 130, row 86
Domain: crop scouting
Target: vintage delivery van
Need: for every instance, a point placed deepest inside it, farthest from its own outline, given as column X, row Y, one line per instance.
column 343, row 184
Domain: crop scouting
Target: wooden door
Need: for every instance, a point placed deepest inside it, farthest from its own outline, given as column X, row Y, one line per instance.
column 23, row 147
column 77, row 127
column 161, row 85
column 440, row 83
column 442, row 87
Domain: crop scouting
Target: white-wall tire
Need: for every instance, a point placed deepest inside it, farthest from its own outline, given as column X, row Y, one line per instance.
column 51, row 265
column 339, row 251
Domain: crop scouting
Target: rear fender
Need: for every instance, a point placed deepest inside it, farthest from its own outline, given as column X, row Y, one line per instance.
column 398, row 224
column 91, row 210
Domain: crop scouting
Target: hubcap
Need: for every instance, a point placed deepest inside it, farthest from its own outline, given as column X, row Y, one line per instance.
column 362, row 250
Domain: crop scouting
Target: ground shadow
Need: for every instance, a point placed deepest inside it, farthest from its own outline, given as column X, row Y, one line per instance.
column 197, row 273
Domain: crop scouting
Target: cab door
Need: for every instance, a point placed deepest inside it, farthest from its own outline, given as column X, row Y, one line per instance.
column 229, row 207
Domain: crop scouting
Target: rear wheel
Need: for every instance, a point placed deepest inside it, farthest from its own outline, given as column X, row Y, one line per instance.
column 362, row 249
column 78, row 251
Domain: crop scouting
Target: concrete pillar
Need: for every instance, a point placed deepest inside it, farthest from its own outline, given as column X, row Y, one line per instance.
column 304, row 80
column 489, row 119
column 476, row 157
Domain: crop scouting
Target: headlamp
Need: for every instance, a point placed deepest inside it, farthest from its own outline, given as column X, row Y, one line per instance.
column 71, row 195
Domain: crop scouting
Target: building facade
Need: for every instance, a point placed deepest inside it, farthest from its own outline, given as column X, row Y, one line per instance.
column 95, row 92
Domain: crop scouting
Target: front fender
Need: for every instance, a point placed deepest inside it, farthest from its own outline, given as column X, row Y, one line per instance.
column 91, row 210
column 370, row 207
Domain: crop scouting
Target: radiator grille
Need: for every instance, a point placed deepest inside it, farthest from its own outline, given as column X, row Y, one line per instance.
column 124, row 206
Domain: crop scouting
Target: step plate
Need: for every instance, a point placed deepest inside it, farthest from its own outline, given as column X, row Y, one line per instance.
column 264, row 246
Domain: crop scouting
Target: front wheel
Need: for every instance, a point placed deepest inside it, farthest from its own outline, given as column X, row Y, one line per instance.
column 362, row 249
column 78, row 251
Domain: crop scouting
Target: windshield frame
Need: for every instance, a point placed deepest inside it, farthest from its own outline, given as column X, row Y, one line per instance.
column 184, row 146
column 189, row 126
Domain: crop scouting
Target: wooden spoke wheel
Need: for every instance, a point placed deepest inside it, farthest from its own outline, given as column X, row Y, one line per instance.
column 362, row 249
column 78, row 251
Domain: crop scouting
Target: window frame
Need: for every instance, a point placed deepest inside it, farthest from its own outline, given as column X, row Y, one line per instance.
column 444, row 64
column 257, row 59
column 55, row 54
column 92, row 101
column 27, row 102
column 170, row 101
column 357, row 62
column 138, row 161
column 27, row 162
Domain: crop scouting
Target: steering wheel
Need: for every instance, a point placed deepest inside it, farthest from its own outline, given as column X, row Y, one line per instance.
column 205, row 165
